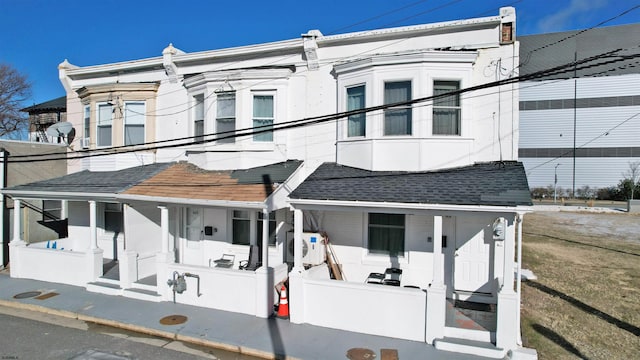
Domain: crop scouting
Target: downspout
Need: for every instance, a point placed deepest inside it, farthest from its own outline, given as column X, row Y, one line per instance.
column 519, row 218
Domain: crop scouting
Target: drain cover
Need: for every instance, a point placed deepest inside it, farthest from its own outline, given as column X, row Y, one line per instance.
column 27, row 294
column 173, row 320
column 360, row 354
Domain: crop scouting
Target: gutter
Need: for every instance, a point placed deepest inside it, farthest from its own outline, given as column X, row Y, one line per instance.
column 308, row 204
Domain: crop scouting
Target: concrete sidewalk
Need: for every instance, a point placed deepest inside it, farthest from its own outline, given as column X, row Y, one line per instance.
column 267, row 338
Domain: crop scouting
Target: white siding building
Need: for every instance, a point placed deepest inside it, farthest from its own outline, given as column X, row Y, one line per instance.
column 594, row 110
column 232, row 166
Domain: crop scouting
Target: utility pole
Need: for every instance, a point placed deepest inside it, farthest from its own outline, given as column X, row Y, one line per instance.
column 555, row 182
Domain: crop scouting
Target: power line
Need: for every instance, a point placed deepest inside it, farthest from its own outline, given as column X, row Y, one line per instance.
column 316, row 119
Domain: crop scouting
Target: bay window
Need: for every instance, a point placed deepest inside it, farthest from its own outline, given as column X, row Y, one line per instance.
column 104, row 124
column 386, row 234
column 134, row 114
column 397, row 119
column 226, row 118
column 356, row 124
column 263, row 117
column 446, row 109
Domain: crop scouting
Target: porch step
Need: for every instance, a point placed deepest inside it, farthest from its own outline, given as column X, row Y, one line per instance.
column 479, row 348
column 104, row 288
column 142, row 294
column 147, row 287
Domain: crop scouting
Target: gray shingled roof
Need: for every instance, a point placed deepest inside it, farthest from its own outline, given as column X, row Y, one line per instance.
column 55, row 104
column 103, row 182
column 534, row 56
column 492, row 184
column 277, row 173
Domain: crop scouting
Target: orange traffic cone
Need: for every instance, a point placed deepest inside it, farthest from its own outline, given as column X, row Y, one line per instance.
column 283, row 307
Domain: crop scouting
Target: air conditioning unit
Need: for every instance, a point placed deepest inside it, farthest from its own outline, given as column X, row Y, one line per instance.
column 84, row 142
column 313, row 252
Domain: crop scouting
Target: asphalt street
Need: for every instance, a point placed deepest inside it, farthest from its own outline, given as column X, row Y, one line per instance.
column 27, row 335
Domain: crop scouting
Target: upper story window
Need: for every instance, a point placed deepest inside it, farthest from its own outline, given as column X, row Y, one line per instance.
column 397, row 119
column 263, row 117
column 104, row 124
column 446, row 110
column 355, row 101
column 386, row 234
column 86, row 134
column 134, row 114
column 198, row 117
column 226, row 118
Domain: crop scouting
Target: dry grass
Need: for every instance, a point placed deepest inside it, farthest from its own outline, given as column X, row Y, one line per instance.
column 586, row 301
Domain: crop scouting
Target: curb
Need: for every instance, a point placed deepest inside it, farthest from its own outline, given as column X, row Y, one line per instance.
column 145, row 330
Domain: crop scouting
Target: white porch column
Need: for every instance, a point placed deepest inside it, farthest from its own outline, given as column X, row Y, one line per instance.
column 253, row 234
column 17, row 216
column 166, row 254
column 296, row 281
column 93, row 229
column 16, row 244
column 437, row 291
column 507, row 326
column 64, row 209
column 264, row 288
column 94, row 255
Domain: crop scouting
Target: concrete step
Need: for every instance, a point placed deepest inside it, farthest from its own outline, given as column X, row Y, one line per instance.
column 464, row 346
column 138, row 285
column 142, row 294
column 102, row 287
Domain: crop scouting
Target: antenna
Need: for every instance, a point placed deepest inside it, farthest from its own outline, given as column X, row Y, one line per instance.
column 61, row 129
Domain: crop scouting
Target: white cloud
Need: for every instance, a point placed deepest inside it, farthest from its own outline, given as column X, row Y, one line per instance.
column 563, row 19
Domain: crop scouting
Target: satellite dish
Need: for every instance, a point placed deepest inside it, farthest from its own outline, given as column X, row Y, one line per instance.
column 61, row 129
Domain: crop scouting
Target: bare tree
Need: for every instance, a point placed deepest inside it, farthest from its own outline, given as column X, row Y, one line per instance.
column 14, row 90
column 632, row 175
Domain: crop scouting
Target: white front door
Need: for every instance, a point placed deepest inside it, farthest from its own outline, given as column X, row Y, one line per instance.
column 472, row 257
column 192, row 248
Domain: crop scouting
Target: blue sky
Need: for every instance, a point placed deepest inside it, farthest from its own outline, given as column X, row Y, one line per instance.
column 37, row 35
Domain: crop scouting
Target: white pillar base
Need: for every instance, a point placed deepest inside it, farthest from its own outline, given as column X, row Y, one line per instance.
column 507, row 320
column 15, row 247
column 295, row 294
column 94, row 264
column 127, row 265
column 436, row 312
column 264, row 292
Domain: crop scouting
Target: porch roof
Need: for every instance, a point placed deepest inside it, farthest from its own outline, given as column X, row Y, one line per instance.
column 483, row 184
column 170, row 182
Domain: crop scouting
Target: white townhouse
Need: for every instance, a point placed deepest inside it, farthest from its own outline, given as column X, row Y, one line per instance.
column 401, row 216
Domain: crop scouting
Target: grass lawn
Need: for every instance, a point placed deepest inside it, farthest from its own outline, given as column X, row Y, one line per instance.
column 586, row 301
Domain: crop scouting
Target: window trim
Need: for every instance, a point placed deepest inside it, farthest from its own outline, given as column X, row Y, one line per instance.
column 459, row 107
column 404, row 107
column 272, row 94
column 194, row 118
column 144, row 122
column 97, row 111
column 387, row 253
column 364, row 106
column 234, row 119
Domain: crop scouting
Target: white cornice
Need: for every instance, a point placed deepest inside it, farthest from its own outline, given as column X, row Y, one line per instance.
column 237, row 74
column 424, row 56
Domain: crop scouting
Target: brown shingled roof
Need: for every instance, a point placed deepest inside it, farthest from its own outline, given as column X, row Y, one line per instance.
column 187, row 181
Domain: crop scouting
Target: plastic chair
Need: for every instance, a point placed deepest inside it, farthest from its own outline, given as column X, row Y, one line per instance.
column 374, row 278
column 254, row 259
column 392, row 276
column 226, row 261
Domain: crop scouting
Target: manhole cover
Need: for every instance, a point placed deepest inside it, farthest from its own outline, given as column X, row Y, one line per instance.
column 360, row 354
column 27, row 294
column 173, row 320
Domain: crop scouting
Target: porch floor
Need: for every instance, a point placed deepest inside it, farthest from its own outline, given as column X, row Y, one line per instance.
column 149, row 280
column 110, row 269
column 471, row 315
